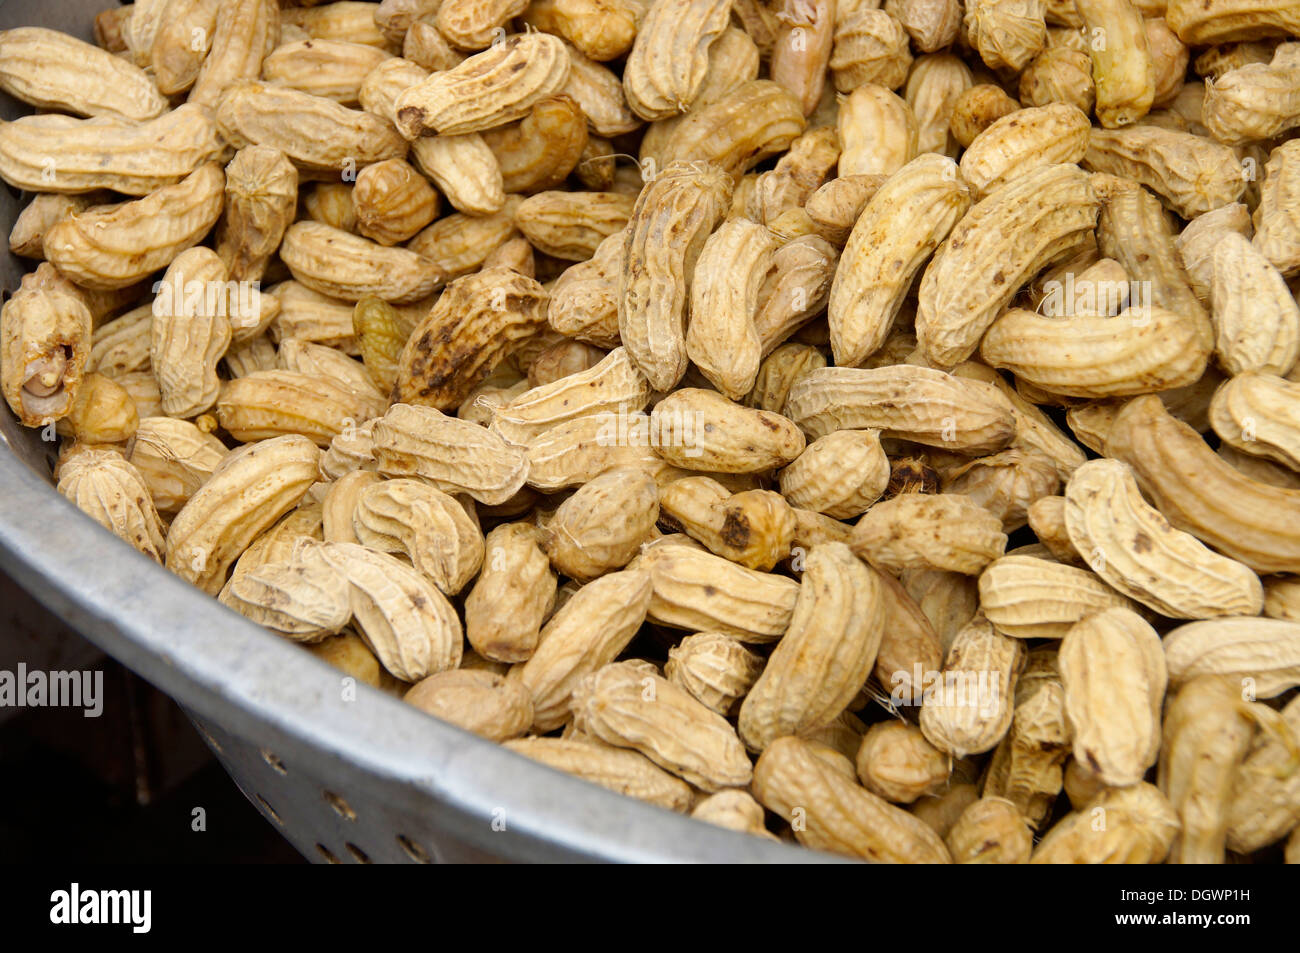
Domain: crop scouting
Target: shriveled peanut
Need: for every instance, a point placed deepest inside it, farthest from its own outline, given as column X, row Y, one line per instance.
column 1264, row 802
column 1139, row 827
column 617, row 769
column 425, row 45
column 1113, row 672
column 835, row 206
column 1193, row 174
column 478, row 701
column 1261, row 655
column 932, row 24
column 542, row 149
column 599, row 92
column 1207, row 732
column 878, row 132
column 970, row 710
column 778, row 372
column 900, row 227
column 669, row 56
column 1059, row 75
column 586, row 633
column 1027, row 597
column 655, row 278
column 826, row 653
column 905, row 402
column 113, row 493
column 835, row 813
column 1006, row 34
column 491, row 88
column 801, row 52
column 978, row 108
column 1277, row 218
column 392, row 202
column 796, row 289
column 1121, row 65
column 923, row 531
column 260, row 202
column 1198, row 25
column 1026, row 767
column 869, row 46
column 393, row 18
column 935, row 84
column 602, row 29
column 1005, row 483
column 1004, row 238
column 941, row 812
column 458, row 243
column 948, row 600
column 1255, row 101
column 714, row 668
column 1282, row 598
column 734, row 810
column 113, row 246
column 697, row 590
column 45, row 333
column 514, row 594
column 990, row 831
column 897, row 763
column 174, row 458
column 787, row 187
column 840, row 474
column 754, row 527
column 473, row 25
column 1202, row 494
column 102, row 413
column 601, row 527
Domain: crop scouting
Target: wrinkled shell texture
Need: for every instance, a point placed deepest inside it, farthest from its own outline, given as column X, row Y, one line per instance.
column 851, row 423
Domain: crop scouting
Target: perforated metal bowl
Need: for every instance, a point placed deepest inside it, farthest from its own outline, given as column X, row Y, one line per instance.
column 369, row 779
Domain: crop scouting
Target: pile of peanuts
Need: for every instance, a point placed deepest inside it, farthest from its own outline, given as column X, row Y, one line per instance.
column 876, row 427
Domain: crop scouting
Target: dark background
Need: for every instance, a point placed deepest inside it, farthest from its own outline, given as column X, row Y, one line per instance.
column 120, row 788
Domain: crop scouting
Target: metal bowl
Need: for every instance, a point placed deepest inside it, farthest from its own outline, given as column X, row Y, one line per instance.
column 367, row 779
